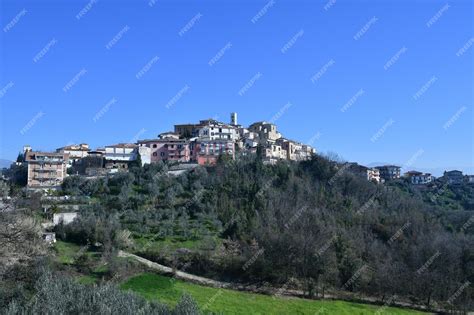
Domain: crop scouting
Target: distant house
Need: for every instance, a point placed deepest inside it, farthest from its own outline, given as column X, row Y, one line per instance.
column 373, row 175
column 272, row 153
column 207, row 152
column 367, row 173
column 211, row 129
column 267, row 132
column 119, row 156
column 76, row 152
column 419, row 178
column 169, row 148
column 295, row 151
column 46, row 169
column 389, row 172
column 453, row 177
column 64, row 217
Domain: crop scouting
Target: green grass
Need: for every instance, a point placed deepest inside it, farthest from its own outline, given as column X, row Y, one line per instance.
column 66, row 252
column 169, row 291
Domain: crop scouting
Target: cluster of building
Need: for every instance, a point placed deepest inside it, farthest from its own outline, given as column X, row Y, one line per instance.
column 200, row 143
column 384, row 173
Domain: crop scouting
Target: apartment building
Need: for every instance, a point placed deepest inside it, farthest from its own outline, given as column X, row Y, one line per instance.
column 453, row 177
column 167, row 149
column 207, row 152
column 214, row 130
column 419, row 178
column 46, row 169
column 389, row 172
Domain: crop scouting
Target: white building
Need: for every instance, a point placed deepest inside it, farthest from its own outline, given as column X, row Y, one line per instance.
column 65, row 217
column 75, row 152
column 214, row 130
column 118, row 156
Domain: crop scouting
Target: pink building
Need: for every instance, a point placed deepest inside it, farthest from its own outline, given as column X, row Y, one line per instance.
column 207, row 152
column 168, row 149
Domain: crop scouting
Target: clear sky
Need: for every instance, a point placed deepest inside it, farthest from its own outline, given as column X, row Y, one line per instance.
column 374, row 81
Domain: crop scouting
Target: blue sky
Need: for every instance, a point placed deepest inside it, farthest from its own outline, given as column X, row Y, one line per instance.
column 397, row 69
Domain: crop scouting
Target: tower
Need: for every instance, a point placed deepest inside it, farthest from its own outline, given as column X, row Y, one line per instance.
column 233, row 119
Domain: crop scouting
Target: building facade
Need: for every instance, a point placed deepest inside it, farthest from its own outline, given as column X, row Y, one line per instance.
column 119, row 156
column 167, row 149
column 46, row 169
column 207, row 152
column 419, row 178
column 389, row 172
column 453, row 177
column 76, row 152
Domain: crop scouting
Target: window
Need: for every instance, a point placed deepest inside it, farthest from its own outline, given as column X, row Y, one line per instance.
column 155, row 154
column 162, row 153
column 154, row 146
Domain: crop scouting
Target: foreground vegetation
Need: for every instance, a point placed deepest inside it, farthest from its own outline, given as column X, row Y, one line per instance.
column 169, row 290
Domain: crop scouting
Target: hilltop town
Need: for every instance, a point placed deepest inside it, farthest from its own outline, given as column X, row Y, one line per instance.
column 193, row 144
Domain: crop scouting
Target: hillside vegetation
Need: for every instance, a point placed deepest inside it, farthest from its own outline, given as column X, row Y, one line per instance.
column 304, row 225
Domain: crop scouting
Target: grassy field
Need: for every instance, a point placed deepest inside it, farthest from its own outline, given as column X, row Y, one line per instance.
column 168, row 290
column 153, row 244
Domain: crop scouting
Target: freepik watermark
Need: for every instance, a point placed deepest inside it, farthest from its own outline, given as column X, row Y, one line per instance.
column 219, row 54
column 263, row 11
column 147, row 67
column 190, row 24
column 428, row 263
column 352, row 100
column 280, row 113
column 104, row 109
column 314, row 138
column 466, row 47
column 382, row 130
column 45, row 50
column 86, row 9
column 322, row 71
column 5, row 89
column 177, row 97
column 454, row 118
column 295, row 216
column 437, row 16
column 329, row 4
column 413, row 158
column 31, row 123
column 74, row 80
column 117, row 37
column 395, row 58
column 365, row 28
column 292, row 41
column 399, row 233
column 15, row 20
column 137, row 136
column 250, row 83
column 425, row 88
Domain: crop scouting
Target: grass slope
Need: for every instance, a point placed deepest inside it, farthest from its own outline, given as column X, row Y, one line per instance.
column 169, row 290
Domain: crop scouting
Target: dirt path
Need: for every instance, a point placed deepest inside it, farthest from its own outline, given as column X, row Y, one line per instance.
column 280, row 292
